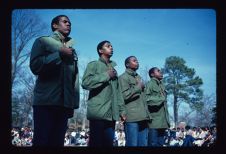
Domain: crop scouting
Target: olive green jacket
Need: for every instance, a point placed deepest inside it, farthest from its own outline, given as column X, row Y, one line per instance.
column 57, row 78
column 105, row 101
column 134, row 98
column 157, row 104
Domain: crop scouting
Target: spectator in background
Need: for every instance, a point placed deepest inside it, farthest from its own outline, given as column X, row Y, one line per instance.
column 121, row 138
column 189, row 139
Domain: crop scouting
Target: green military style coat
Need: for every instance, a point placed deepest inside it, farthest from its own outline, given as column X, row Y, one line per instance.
column 105, row 101
column 57, row 79
column 134, row 98
column 156, row 100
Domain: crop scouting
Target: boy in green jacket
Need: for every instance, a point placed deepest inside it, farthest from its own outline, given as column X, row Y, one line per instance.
column 136, row 124
column 56, row 93
column 156, row 100
column 105, row 102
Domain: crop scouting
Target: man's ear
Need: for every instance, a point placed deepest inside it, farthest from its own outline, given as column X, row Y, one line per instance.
column 100, row 51
column 55, row 26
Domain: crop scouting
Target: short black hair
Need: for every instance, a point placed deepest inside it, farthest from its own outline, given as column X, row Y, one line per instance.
column 152, row 71
column 127, row 60
column 56, row 20
column 187, row 127
column 100, row 45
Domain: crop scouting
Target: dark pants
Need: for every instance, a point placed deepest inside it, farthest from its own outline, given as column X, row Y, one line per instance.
column 136, row 133
column 101, row 133
column 156, row 137
column 188, row 141
column 50, row 125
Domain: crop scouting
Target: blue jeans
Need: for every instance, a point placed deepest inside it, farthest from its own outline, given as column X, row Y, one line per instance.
column 136, row 133
column 188, row 141
column 156, row 137
column 101, row 133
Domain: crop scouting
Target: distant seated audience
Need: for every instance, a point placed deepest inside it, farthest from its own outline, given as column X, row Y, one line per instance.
column 174, row 137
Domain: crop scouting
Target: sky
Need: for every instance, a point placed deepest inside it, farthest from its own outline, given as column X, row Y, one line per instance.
column 151, row 35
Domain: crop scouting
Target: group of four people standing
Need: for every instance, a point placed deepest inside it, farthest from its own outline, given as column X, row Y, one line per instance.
column 142, row 108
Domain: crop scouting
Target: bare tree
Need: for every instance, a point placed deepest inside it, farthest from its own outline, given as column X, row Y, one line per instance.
column 79, row 120
column 144, row 74
column 204, row 117
column 186, row 116
column 84, row 97
column 26, row 26
column 201, row 117
column 22, row 98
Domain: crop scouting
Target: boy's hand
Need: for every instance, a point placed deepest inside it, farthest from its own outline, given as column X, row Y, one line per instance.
column 64, row 51
column 141, row 84
column 123, row 118
column 112, row 73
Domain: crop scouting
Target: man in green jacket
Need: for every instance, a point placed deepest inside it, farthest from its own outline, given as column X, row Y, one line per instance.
column 136, row 124
column 156, row 100
column 56, row 93
column 105, row 102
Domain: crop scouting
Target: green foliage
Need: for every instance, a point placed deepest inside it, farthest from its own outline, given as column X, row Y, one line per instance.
column 181, row 82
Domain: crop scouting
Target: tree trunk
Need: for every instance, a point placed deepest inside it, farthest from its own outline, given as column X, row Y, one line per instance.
column 175, row 108
column 83, row 123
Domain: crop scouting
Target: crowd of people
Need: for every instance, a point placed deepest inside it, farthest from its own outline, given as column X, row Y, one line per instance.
column 191, row 136
column 21, row 136
column 173, row 137
column 77, row 138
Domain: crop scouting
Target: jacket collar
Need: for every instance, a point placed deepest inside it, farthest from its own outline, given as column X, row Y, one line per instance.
column 131, row 72
column 58, row 36
column 156, row 80
column 112, row 63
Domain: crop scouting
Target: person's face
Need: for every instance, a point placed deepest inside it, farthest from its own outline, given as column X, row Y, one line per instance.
column 106, row 50
column 64, row 26
column 133, row 63
column 157, row 74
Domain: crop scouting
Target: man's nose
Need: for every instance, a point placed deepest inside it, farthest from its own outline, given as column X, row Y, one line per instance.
column 68, row 24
